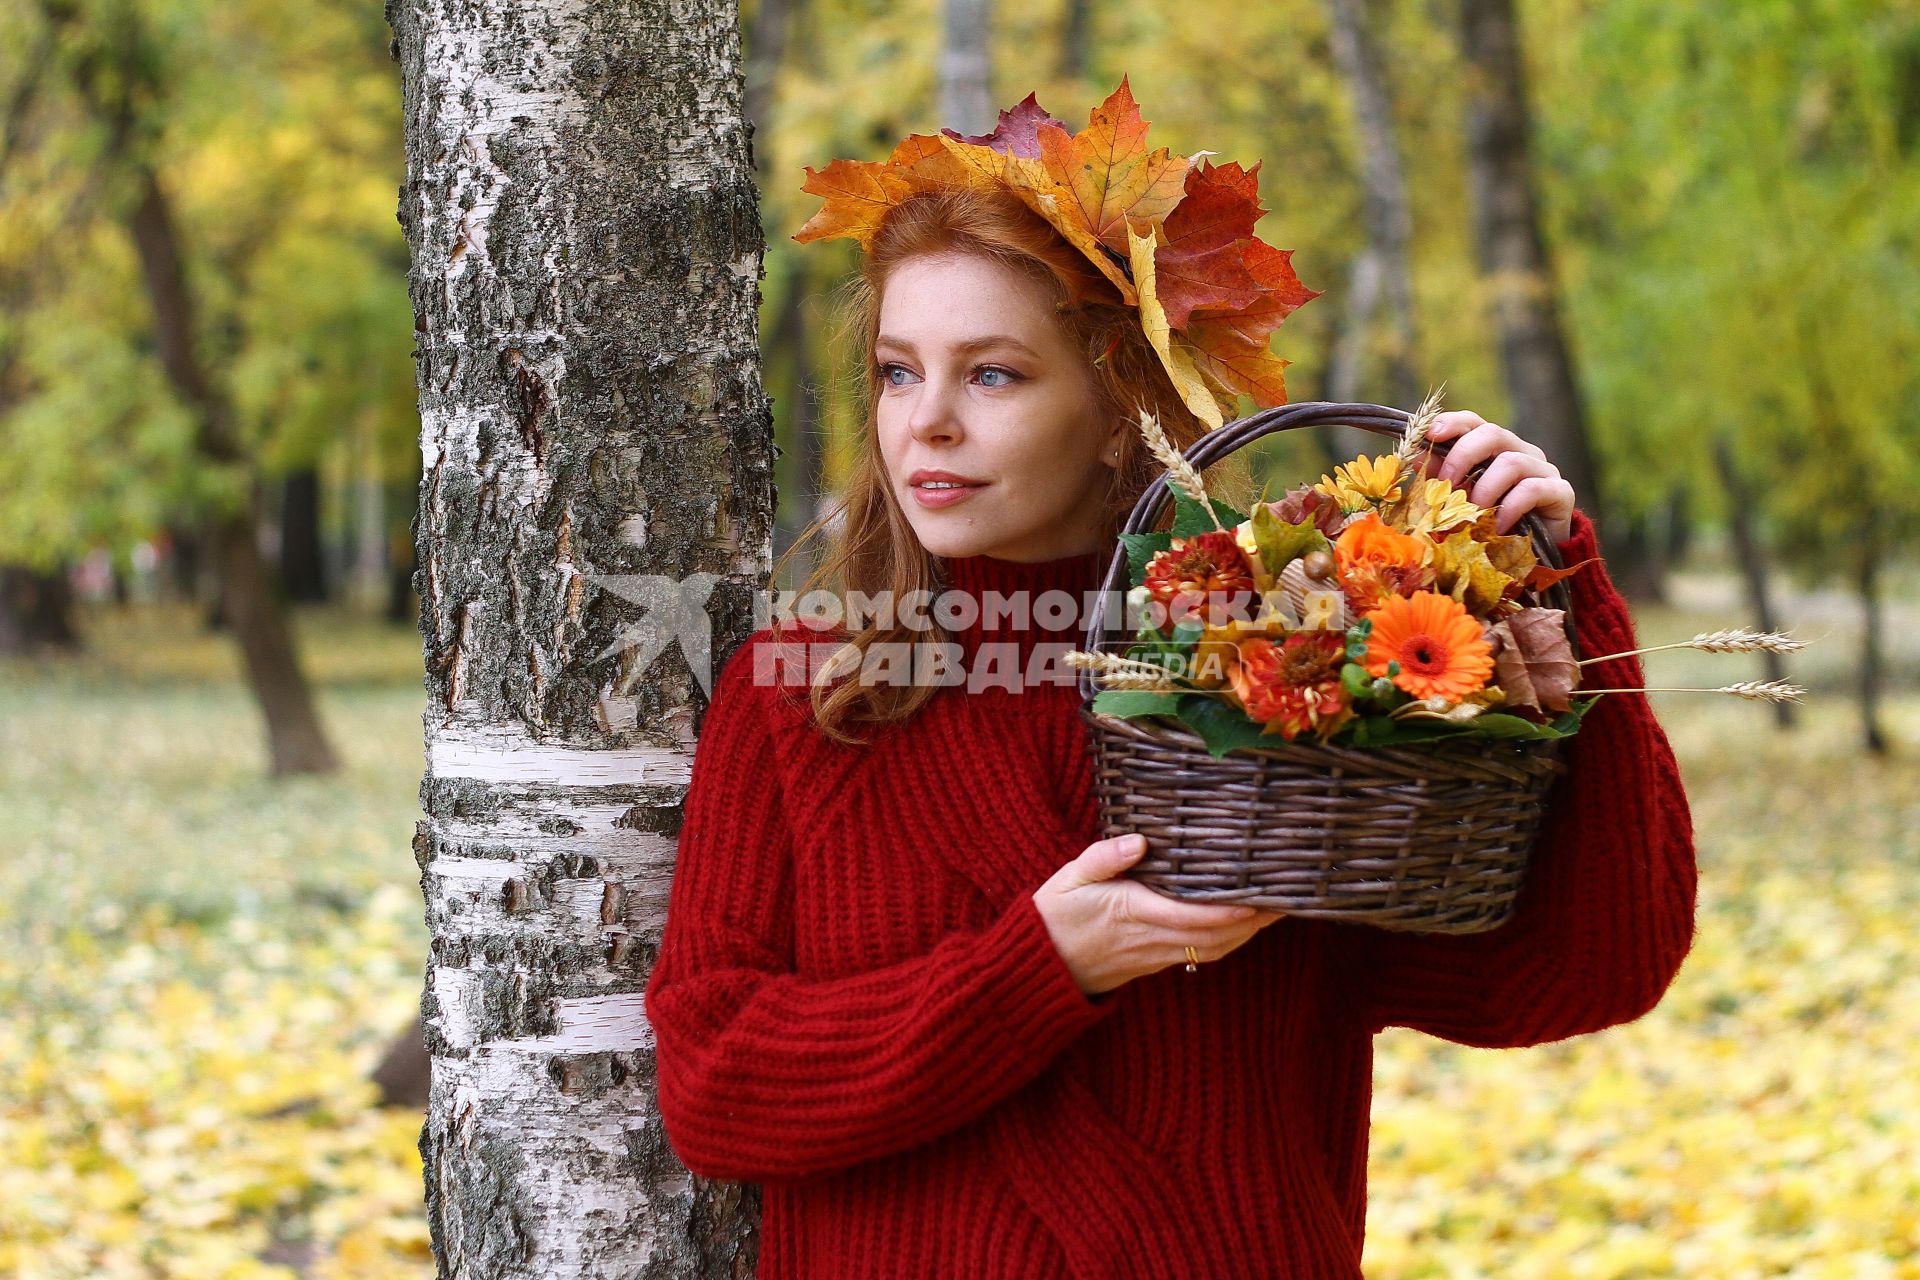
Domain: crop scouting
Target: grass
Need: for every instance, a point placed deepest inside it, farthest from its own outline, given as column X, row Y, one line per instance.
column 190, row 948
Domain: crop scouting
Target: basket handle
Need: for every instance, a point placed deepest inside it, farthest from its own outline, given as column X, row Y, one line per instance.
column 1218, row 443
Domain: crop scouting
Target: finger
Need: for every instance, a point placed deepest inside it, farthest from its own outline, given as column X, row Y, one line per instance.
column 1207, row 944
column 1478, row 445
column 1549, row 497
column 1505, row 471
column 1454, row 422
column 1105, row 859
column 1144, row 906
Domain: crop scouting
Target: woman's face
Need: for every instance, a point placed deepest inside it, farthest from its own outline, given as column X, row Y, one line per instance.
column 979, row 380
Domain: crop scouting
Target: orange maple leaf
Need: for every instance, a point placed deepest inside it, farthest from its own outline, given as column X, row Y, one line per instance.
column 859, row 193
column 1108, row 173
column 1224, row 354
column 1542, row 576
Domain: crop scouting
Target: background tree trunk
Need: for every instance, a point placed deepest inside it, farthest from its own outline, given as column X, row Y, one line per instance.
column 1076, row 39
column 1873, row 662
column 1380, row 272
column 36, row 611
column 1752, row 560
column 303, row 570
column 966, row 66
column 296, row 741
column 1542, row 389
column 586, row 248
column 792, row 343
column 766, row 50
column 114, row 70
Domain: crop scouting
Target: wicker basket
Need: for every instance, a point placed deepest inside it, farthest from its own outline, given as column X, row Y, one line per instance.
column 1431, row 838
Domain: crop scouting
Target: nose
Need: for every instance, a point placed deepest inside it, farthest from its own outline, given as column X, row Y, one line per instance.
column 935, row 417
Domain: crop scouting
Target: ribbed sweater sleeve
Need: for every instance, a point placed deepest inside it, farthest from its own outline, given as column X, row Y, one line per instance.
column 765, row 1074
column 1606, row 913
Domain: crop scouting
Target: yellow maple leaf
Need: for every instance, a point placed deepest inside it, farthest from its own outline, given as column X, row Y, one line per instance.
column 1186, row 379
column 1462, row 570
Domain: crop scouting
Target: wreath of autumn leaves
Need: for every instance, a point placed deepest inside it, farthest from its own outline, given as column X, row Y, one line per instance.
column 1173, row 235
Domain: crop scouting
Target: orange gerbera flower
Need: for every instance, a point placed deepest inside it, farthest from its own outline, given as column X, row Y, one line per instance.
column 1378, row 562
column 1441, row 650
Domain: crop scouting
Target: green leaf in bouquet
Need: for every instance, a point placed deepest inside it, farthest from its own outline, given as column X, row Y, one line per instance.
column 1141, row 549
column 1220, row 725
column 1128, row 703
column 1499, row 724
column 1281, row 543
column 1502, row 724
column 1190, row 518
column 1568, row 721
column 1385, row 731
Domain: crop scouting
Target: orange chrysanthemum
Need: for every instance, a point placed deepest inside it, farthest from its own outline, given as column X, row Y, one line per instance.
column 1378, row 562
column 1442, row 651
column 1206, row 575
column 1293, row 687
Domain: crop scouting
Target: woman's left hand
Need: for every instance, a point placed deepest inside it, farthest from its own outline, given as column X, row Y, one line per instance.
column 1518, row 478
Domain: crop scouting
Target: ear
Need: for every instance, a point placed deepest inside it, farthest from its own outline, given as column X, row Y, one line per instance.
column 1110, row 444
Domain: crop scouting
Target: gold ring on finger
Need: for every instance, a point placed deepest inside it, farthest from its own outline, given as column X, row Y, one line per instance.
column 1193, row 961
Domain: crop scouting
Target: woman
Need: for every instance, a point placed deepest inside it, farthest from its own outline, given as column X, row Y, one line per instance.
column 903, row 984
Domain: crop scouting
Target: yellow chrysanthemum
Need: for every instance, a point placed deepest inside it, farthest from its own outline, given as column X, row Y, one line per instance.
column 1434, row 504
column 1364, row 482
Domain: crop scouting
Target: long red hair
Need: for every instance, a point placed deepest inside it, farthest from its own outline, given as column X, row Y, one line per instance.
column 874, row 547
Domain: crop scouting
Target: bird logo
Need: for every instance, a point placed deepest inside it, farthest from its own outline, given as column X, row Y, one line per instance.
column 675, row 614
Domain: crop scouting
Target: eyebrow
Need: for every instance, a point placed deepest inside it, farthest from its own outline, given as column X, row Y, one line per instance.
column 966, row 347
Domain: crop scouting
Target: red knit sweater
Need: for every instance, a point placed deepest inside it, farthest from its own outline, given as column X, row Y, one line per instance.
column 857, row 1005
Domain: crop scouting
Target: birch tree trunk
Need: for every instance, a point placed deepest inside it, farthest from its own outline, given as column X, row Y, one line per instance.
column 966, row 66
column 1381, row 274
column 586, row 253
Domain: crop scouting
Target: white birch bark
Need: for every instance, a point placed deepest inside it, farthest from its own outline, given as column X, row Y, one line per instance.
column 586, row 257
column 966, row 66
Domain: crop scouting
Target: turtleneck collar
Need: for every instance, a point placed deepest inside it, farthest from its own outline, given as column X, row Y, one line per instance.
column 978, row 575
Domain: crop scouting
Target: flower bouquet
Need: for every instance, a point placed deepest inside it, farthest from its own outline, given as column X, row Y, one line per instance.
column 1346, row 703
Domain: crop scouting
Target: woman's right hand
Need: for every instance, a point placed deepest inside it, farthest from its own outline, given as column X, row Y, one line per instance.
column 1111, row 931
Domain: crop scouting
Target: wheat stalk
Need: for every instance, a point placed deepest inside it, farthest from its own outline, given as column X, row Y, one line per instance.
column 1121, row 673
column 1738, row 640
column 1756, row 690
column 1180, row 473
column 1418, row 425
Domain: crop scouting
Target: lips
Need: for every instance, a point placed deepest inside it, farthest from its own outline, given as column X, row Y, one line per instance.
column 933, row 499
column 929, row 476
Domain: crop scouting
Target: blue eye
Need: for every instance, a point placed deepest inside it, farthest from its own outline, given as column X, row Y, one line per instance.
column 1008, row 374
column 888, row 370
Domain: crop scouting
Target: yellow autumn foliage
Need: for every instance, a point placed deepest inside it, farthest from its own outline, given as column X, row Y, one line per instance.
column 192, row 995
